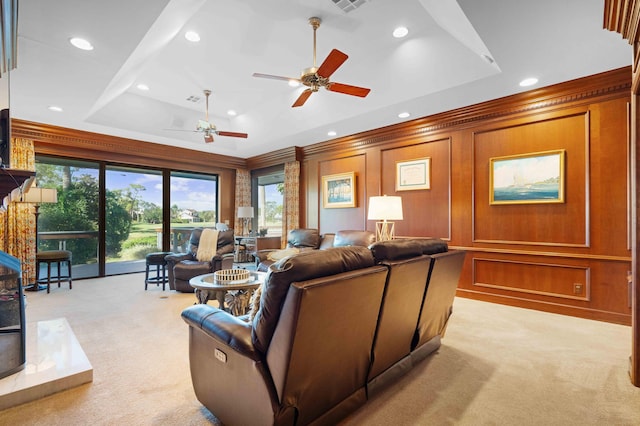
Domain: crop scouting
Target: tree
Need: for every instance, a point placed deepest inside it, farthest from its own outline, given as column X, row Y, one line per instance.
column 77, row 210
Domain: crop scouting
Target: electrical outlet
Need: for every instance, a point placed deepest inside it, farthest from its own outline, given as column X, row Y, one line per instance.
column 577, row 288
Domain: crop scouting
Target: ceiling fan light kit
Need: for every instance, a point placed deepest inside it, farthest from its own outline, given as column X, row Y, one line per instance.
column 316, row 77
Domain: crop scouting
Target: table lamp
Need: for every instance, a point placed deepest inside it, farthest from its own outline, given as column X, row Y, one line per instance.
column 245, row 213
column 384, row 209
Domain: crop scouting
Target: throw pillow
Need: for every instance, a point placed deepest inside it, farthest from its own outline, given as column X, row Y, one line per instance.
column 254, row 304
column 276, row 255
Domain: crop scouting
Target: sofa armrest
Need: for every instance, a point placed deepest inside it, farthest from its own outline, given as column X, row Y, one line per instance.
column 172, row 259
column 223, row 327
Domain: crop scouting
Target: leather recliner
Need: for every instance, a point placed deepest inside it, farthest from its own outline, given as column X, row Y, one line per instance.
column 183, row 267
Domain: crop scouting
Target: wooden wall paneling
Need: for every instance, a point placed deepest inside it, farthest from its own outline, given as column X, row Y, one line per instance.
column 539, row 223
column 558, row 280
column 462, row 200
column 433, row 216
column 547, row 284
column 623, row 16
column 332, row 219
column 609, row 169
column 312, row 194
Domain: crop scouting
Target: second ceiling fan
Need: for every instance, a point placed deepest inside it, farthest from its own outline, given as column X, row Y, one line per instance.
column 316, row 77
column 204, row 126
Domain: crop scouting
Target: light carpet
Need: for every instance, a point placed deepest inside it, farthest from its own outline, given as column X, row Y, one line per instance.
column 498, row 365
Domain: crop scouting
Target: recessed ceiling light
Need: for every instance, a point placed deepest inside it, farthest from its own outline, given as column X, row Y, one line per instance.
column 404, row 114
column 192, row 36
column 400, row 32
column 528, row 82
column 81, row 43
column 232, row 112
column 331, row 133
column 55, row 108
column 142, row 86
column 294, row 83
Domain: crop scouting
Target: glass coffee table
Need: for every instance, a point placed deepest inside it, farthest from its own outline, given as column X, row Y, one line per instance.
column 233, row 298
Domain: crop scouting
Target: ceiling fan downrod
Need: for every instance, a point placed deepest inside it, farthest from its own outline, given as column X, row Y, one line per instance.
column 315, row 23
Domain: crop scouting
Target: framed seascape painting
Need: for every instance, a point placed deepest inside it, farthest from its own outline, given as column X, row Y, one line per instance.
column 413, row 174
column 339, row 190
column 528, row 178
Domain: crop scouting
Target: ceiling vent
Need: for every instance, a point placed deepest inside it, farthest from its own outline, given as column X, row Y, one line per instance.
column 349, row 5
column 193, row 98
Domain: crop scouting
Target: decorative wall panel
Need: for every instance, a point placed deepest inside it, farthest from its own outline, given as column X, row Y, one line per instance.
column 433, row 218
column 543, row 279
column 559, row 224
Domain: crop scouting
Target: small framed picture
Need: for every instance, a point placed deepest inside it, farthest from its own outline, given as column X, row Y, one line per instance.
column 413, row 174
column 527, row 178
column 339, row 190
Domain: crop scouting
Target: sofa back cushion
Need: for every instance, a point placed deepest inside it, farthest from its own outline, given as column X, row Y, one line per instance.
column 225, row 239
column 306, row 265
column 303, row 238
column 432, row 245
column 396, row 249
column 354, row 238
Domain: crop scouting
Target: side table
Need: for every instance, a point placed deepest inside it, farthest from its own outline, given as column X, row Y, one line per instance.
column 237, row 296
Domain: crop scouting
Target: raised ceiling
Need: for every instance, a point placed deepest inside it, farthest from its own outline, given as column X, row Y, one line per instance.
column 440, row 65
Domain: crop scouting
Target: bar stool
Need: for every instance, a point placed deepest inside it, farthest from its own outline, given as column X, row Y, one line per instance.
column 58, row 257
column 156, row 259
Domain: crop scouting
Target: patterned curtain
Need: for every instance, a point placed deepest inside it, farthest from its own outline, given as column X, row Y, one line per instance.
column 243, row 196
column 291, row 207
column 18, row 223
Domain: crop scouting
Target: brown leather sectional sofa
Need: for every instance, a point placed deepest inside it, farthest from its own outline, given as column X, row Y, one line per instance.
column 310, row 239
column 333, row 327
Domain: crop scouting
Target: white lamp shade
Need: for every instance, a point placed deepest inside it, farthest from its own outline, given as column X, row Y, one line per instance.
column 40, row 195
column 385, row 208
column 245, row 212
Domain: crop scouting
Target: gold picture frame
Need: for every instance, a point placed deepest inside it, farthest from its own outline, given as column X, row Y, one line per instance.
column 413, row 174
column 531, row 178
column 339, row 190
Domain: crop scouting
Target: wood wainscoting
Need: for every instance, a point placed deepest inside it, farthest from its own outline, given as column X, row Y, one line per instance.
column 570, row 257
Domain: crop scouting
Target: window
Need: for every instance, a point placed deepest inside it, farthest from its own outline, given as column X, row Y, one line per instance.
column 73, row 222
column 132, row 219
column 194, row 203
column 270, row 204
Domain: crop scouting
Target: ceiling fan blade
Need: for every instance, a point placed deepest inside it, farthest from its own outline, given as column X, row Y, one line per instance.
column 348, row 90
column 276, row 77
column 302, row 98
column 331, row 63
column 208, row 138
column 232, row 134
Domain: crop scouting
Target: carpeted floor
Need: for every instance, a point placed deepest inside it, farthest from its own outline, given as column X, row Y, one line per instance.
column 497, row 366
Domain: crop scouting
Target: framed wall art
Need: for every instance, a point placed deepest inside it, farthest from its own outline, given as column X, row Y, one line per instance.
column 528, row 178
column 339, row 190
column 413, row 174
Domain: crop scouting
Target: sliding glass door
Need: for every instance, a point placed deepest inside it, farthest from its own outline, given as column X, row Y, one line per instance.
column 111, row 216
column 73, row 222
column 133, row 219
column 194, row 201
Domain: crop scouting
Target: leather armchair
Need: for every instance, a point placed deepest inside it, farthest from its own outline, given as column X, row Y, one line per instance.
column 183, row 267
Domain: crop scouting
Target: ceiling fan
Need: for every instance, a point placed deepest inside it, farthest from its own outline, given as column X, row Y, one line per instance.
column 315, row 77
column 204, row 126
